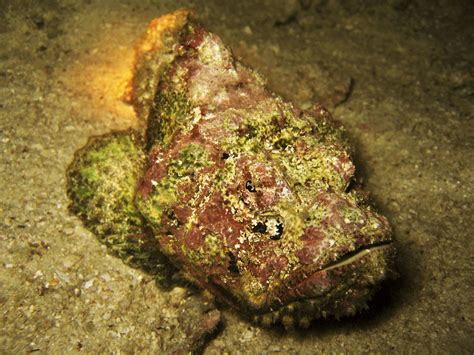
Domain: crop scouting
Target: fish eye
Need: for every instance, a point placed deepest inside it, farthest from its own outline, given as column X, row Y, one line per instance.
column 272, row 227
column 249, row 186
column 278, row 232
column 259, row 228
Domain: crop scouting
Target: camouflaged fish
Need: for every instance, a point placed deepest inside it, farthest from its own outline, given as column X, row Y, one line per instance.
column 250, row 197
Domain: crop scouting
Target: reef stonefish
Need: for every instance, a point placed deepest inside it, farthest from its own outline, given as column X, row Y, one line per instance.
column 248, row 196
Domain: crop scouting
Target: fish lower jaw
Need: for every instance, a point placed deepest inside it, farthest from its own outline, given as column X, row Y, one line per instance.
column 301, row 313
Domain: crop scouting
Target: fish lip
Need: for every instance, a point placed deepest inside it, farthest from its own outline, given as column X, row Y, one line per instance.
column 355, row 255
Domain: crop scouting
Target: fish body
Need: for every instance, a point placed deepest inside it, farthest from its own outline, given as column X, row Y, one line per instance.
column 247, row 195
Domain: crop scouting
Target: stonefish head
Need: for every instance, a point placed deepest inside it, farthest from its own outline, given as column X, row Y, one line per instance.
column 249, row 196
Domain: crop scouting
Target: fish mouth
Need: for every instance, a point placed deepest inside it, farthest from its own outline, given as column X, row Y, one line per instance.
column 340, row 288
column 352, row 260
column 357, row 254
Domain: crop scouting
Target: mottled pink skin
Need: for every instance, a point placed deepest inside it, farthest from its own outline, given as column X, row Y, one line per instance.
column 222, row 89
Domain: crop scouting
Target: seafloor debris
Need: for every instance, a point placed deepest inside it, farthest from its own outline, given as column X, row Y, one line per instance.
column 248, row 196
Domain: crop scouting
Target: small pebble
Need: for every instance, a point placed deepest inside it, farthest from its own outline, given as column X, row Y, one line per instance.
column 106, row 277
column 88, row 284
